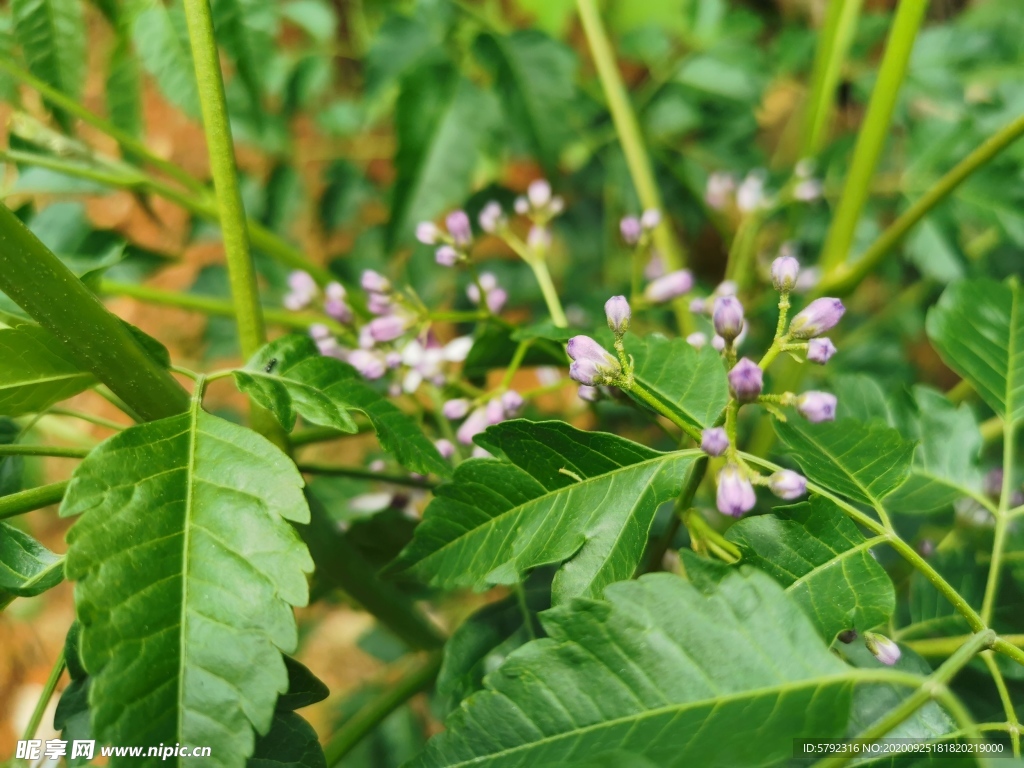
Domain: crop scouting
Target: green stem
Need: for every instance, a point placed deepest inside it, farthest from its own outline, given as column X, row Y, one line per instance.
column 934, row 687
column 1005, row 698
column 550, row 293
column 126, row 140
column 739, row 266
column 97, row 420
column 636, row 389
column 99, row 341
column 21, row 502
column 844, row 277
column 416, row 678
column 44, row 697
column 365, row 474
column 524, row 609
column 1002, row 524
column 682, row 505
column 834, row 44
column 43, row 450
column 873, row 133
column 939, row 647
column 517, row 359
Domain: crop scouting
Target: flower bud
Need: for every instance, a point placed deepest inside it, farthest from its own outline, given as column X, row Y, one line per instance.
column 481, row 453
column 631, row 230
column 538, row 238
column 538, row 193
column 714, row 441
column 318, row 331
column 338, row 309
column 650, row 219
column 387, row 328
column 428, row 233
column 445, row 447
column 592, row 364
column 787, row 484
column 496, row 300
column 588, row 393
column 785, row 272
column 718, row 190
column 697, row 339
column 820, row 350
column 494, row 411
column 472, row 426
column 718, row 343
column 817, row 406
column 459, row 228
column 883, row 649
column 698, row 306
column 668, row 287
column 492, row 217
column 746, row 380
column 818, row 317
column 446, row 256
column 750, row 194
column 617, row 313
column 378, row 303
column 455, row 409
column 512, row 402
column 328, row 347
column 728, row 317
column 370, row 365
column 521, row 205
column 393, row 359
column 735, row 493
column 374, row 281
column 302, row 282
column 655, row 267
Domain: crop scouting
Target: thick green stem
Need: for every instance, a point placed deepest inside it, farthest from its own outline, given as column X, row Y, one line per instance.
column 834, row 43
column 642, row 394
column 420, row 675
column 44, row 697
column 99, row 341
column 21, row 502
column 43, row 450
column 873, row 133
column 548, row 290
column 845, row 277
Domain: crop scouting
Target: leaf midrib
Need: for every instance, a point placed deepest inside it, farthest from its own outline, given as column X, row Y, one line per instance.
column 186, row 543
column 872, row 498
column 850, row 676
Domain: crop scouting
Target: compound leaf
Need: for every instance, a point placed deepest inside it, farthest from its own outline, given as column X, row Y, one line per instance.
column 52, row 36
column 187, row 570
column 556, row 495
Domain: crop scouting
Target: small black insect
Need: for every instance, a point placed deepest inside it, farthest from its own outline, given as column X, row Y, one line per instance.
column 269, row 367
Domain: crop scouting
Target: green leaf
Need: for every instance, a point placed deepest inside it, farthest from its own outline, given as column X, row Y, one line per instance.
column 864, row 462
column 37, row 371
column 661, row 671
column 27, row 568
column 536, row 80
column 304, row 688
column 11, row 467
column 290, row 743
column 124, row 88
column 247, row 30
column 187, row 571
column 161, row 41
column 824, row 563
column 52, row 37
column 440, row 120
column 945, row 464
column 290, row 376
column 688, row 381
column 978, row 329
column 557, row 495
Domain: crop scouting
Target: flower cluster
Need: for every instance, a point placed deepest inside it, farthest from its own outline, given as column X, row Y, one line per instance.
column 479, row 415
column 723, row 192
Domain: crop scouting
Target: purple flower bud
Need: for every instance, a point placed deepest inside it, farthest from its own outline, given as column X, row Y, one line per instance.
column 459, row 228
column 584, row 348
column 726, row 288
column 338, row 309
column 818, row 317
column 494, row 411
column 445, row 447
column 668, row 287
column 374, row 281
column 387, row 328
column 735, row 493
column 728, row 317
column 455, row 409
column 884, row 649
column 787, row 484
column 785, row 273
column 512, row 402
column 521, row 205
column 446, row 256
column 378, row 303
column 370, row 365
column 650, row 218
column 718, row 343
column 302, row 283
column 539, row 193
column 588, row 393
column 481, row 453
column 496, row 300
column 817, row 406
column 714, row 441
column 393, row 359
column 655, row 267
column 293, row 301
column 820, row 350
column 630, row 229
column 319, row 331
column 616, row 312
column 474, row 425
column 746, row 380
column 492, row 217
column 697, row 339
column 698, row 306
column 428, row 233
column 328, row 347
column 335, row 290
column 538, row 238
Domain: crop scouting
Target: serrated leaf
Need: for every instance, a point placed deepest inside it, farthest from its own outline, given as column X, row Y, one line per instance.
column 945, row 464
column 27, row 568
column 161, row 42
column 187, row 570
column 978, row 329
column 536, row 80
column 37, row 371
column 823, row 561
column 290, row 376
column 441, row 119
column 686, row 380
column 864, row 462
column 304, row 688
column 290, row 743
column 557, row 495
column 661, row 671
column 52, row 37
